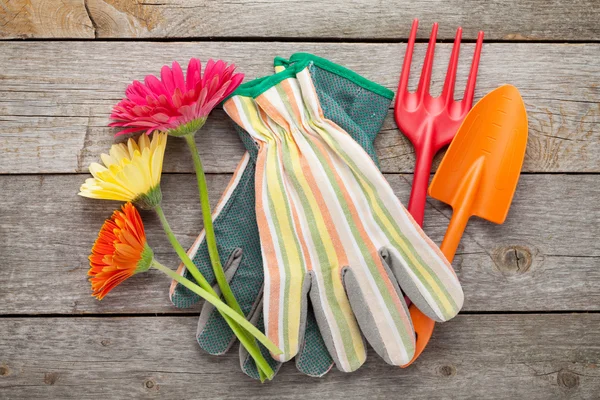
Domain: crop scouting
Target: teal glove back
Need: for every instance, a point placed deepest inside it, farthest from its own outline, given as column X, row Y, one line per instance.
column 360, row 111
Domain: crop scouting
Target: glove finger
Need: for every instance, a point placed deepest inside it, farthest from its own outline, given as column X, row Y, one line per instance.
column 228, row 217
column 285, row 313
column 381, row 312
column 213, row 333
column 246, row 361
column 336, row 323
column 180, row 296
column 313, row 358
column 433, row 288
column 229, row 269
column 423, row 265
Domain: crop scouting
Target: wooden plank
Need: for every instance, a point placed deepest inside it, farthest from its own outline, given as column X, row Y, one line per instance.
column 545, row 257
column 54, row 108
column 23, row 19
column 360, row 19
column 473, row 356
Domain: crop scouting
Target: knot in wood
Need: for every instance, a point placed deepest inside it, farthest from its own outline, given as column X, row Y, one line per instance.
column 567, row 379
column 4, row 371
column 448, row 370
column 50, row 378
column 515, row 260
column 105, row 342
column 149, row 383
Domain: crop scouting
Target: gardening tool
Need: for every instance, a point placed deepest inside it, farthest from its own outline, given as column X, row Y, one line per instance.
column 431, row 123
column 478, row 175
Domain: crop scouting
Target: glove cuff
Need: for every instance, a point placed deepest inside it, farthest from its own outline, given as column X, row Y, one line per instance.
column 297, row 63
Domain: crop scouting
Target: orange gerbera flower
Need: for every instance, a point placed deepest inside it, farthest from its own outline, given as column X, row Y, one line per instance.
column 119, row 252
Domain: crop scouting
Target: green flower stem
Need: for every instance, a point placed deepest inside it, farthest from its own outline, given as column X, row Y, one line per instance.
column 181, row 252
column 209, row 231
column 219, row 305
column 248, row 342
column 211, row 241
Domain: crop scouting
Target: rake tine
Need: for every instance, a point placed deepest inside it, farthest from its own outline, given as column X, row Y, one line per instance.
column 448, row 91
column 470, row 89
column 410, row 46
column 425, row 80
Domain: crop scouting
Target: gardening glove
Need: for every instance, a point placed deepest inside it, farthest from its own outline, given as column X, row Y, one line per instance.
column 360, row 109
column 332, row 230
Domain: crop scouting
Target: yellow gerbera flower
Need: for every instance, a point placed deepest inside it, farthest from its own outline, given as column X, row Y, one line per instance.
column 131, row 172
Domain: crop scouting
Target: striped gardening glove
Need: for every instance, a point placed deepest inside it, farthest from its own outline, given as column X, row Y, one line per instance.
column 331, row 228
column 359, row 107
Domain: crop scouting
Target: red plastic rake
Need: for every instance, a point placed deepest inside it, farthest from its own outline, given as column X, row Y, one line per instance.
column 431, row 123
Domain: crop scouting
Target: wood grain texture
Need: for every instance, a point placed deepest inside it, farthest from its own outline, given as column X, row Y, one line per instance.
column 475, row 357
column 531, row 322
column 545, row 257
column 54, row 108
column 356, row 19
column 23, row 19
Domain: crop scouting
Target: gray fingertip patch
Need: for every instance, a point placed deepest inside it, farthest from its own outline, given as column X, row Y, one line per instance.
column 313, row 358
column 385, row 255
column 247, row 363
column 255, row 313
column 306, row 285
column 323, row 325
column 398, row 292
column 366, row 320
column 317, row 371
column 408, row 286
column 182, row 297
column 233, row 263
column 230, row 268
column 205, row 314
column 249, row 366
column 214, row 334
column 363, row 315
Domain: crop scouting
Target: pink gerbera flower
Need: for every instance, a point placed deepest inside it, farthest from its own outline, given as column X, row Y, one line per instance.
column 174, row 104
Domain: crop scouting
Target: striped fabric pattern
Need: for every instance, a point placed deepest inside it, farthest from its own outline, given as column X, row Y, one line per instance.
column 324, row 213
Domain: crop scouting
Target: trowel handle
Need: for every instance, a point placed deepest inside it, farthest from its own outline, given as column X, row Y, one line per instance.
column 454, row 233
column 462, row 207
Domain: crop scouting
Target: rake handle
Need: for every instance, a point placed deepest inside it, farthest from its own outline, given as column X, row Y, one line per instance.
column 418, row 192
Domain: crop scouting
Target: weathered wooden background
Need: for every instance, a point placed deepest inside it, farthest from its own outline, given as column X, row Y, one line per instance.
column 531, row 322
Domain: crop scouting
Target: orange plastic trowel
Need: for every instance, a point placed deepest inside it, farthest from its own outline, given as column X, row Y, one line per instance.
column 478, row 175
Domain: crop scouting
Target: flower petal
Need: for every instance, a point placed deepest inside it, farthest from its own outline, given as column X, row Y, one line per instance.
column 118, row 251
column 166, row 77
column 167, row 104
column 178, row 76
column 193, row 73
